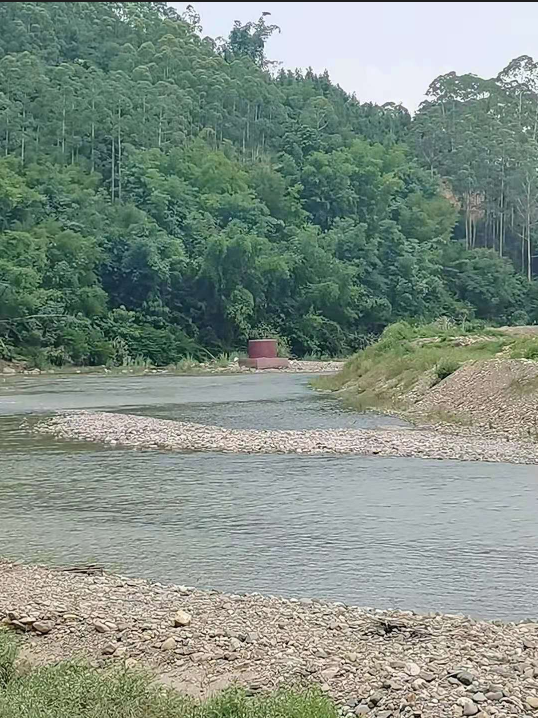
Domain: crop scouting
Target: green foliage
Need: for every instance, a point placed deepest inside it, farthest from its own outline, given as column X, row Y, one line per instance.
column 445, row 367
column 162, row 196
column 8, row 654
column 78, row 691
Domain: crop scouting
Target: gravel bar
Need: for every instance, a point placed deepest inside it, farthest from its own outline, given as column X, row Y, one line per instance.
column 378, row 663
column 140, row 432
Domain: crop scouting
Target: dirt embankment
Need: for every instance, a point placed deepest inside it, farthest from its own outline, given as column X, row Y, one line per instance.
column 499, row 395
column 378, row 663
column 473, row 384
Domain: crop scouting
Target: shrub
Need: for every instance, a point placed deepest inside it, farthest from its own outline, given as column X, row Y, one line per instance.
column 445, row 367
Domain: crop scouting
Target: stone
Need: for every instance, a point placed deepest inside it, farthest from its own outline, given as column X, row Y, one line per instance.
column 469, row 707
column 43, row 626
column 169, row 644
column 101, row 627
column 120, row 651
column 466, row 678
column 108, row 649
column 362, row 710
column 8, row 370
column 532, row 701
column 182, row 618
column 329, row 673
column 412, row 669
column 131, row 663
column 427, row 676
column 494, row 695
column 479, row 697
column 236, row 644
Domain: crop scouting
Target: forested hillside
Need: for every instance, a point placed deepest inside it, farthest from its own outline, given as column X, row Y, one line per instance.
column 163, row 194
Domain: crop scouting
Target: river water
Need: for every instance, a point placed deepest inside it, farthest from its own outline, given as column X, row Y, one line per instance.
column 409, row 533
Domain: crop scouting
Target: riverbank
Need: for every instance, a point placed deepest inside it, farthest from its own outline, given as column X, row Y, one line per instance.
column 140, row 432
column 471, row 384
column 372, row 662
column 185, row 367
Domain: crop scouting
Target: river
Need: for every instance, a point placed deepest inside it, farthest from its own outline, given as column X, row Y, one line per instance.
column 456, row 537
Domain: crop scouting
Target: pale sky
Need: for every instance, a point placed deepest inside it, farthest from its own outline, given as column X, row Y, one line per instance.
column 387, row 51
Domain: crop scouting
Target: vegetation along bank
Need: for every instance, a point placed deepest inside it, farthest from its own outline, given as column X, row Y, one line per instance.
column 164, row 194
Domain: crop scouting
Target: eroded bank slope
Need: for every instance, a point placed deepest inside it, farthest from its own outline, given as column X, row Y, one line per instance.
column 378, row 663
column 476, row 384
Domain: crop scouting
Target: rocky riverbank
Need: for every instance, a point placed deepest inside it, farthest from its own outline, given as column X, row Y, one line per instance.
column 378, row 663
column 296, row 366
column 140, row 432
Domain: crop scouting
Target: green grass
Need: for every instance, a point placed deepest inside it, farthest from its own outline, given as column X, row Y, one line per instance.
column 378, row 376
column 68, row 690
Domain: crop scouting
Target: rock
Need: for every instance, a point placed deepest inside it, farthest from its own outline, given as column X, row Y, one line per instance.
column 109, row 649
column 329, row 673
column 182, row 618
column 236, row 644
column 427, row 676
column 362, row 710
column 469, row 707
column 43, row 626
column 494, row 695
column 169, row 644
column 131, row 663
column 8, row 370
column 101, row 627
column 120, row 651
column 384, row 714
column 412, row 669
column 351, row 657
column 532, row 701
column 479, row 697
column 466, row 678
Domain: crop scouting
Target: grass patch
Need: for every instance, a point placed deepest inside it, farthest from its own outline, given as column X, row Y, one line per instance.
column 68, row 690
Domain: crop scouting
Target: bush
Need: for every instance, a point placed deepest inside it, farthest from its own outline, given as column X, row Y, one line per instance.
column 445, row 367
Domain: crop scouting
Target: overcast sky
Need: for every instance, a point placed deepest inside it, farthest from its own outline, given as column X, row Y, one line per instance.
column 387, row 51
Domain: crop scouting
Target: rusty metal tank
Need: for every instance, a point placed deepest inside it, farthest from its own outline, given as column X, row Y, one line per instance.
column 262, row 349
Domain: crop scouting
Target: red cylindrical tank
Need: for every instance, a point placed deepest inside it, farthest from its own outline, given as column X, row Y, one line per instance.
column 262, row 348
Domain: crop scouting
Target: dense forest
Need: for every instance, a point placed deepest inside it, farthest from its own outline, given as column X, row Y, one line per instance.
column 164, row 194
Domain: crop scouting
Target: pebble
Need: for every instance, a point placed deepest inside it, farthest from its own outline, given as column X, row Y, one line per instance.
column 532, row 701
column 182, row 618
column 169, row 644
column 43, row 626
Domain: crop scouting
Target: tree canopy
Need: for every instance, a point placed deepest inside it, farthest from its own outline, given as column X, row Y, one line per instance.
column 163, row 193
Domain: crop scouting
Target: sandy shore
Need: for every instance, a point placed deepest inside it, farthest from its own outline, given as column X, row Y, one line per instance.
column 378, row 663
column 143, row 432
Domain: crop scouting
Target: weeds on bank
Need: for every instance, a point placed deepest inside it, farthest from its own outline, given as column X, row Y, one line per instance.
column 78, row 691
